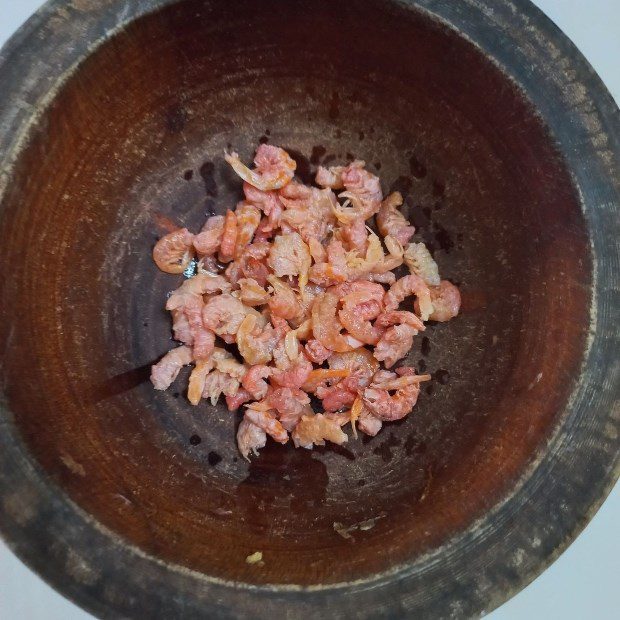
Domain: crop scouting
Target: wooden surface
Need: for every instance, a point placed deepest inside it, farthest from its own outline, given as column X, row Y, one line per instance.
column 126, row 129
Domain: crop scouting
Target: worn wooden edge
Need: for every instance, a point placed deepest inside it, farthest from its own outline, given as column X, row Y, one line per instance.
column 497, row 556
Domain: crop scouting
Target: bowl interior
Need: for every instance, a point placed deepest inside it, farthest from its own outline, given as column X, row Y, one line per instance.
column 137, row 135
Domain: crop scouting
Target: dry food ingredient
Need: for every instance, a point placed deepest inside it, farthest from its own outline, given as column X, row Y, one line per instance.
column 296, row 278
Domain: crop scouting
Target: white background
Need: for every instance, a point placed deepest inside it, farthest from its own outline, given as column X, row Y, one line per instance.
column 584, row 581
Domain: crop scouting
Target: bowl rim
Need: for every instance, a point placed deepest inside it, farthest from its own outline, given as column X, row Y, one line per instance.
column 498, row 555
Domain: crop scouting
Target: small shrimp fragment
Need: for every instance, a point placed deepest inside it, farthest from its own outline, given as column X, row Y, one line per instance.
column 363, row 189
column 166, row 370
column 361, row 267
column 309, row 211
column 251, row 293
column 274, row 167
column 174, row 251
column 420, row 262
column 295, row 375
column 355, row 235
column 405, row 377
column 390, row 221
column 383, row 278
column 290, row 405
column 292, row 346
column 250, row 438
column 332, row 177
column 218, row 383
column 304, row 330
column 224, row 314
column 317, row 251
column 400, row 317
column 229, row 238
column 325, row 325
column 335, row 398
column 356, row 314
column 316, row 352
column 289, row 256
column 315, row 429
column 360, row 364
column 225, row 362
column 181, row 329
column 341, row 418
column 240, row 398
column 270, row 204
column 255, row 269
column 186, row 306
column 386, row 407
column 368, row 423
column 250, row 264
column 446, row 300
column 256, row 344
column 334, row 270
column 248, row 219
column 197, row 380
column 319, row 376
column 361, row 182
column 265, row 231
column 196, row 286
column 354, row 414
column 410, row 285
column 283, row 302
column 207, row 241
column 274, row 164
column 254, row 381
column 394, row 344
column 233, row 272
column 361, row 209
column 266, row 421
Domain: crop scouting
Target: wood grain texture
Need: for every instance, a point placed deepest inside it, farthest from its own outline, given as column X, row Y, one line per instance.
column 505, row 145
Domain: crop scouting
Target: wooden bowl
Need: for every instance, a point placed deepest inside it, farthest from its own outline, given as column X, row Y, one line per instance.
column 115, row 115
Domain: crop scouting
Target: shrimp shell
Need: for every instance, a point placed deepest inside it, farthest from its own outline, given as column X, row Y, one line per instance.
column 400, row 317
column 295, row 375
column 316, row 352
column 315, row 429
column 241, row 397
column 254, row 381
column 446, row 300
column 289, row 255
column 250, row 438
column 388, row 408
column 395, row 343
column 229, row 238
column 325, row 326
column 266, row 421
column 290, row 405
column 274, row 168
column 197, row 380
column 284, row 302
column 368, row 423
column 255, row 346
column 320, row 375
column 317, row 251
column 420, row 262
column 248, row 219
column 168, row 367
column 390, row 221
column 174, row 251
column 251, row 293
column 410, row 285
